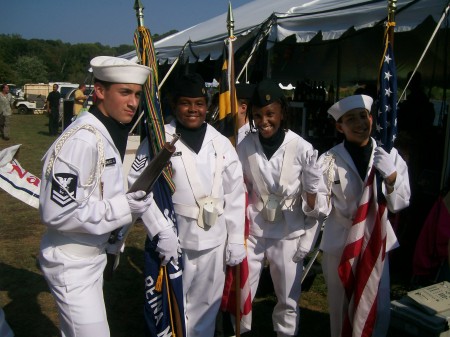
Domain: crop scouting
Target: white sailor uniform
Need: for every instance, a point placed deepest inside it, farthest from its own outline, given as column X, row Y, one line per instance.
column 280, row 221
column 211, row 178
column 346, row 188
column 82, row 199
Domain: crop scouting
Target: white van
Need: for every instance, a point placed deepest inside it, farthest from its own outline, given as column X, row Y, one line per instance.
column 64, row 87
column 36, row 95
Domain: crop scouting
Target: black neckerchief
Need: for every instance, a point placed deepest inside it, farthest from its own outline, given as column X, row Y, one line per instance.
column 192, row 137
column 271, row 144
column 360, row 155
column 117, row 131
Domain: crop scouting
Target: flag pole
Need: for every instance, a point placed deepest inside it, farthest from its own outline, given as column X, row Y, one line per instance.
column 230, row 27
column 150, row 60
column 231, row 38
column 392, row 6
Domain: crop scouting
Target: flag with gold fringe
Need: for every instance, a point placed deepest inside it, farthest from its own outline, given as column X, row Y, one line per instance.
column 163, row 308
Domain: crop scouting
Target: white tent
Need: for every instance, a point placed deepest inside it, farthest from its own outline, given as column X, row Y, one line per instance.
column 340, row 41
column 302, row 18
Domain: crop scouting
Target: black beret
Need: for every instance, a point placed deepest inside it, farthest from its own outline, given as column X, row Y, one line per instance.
column 244, row 90
column 266, row 92
column 190, row 85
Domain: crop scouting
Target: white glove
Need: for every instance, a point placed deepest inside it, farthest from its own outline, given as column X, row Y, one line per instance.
column 383, row 162
column 139, row 202
column 235, row 253
column 167, row 246
column 312, row 172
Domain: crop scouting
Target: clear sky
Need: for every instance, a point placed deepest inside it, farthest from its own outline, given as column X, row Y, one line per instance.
column 109, row 22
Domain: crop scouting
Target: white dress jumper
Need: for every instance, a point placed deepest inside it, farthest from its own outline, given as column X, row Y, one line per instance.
column 346, row 188
column 214, row 173
column 279, row 180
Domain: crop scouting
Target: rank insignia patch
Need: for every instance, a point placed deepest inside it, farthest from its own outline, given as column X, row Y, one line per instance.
column 139, row 162
column 64, row 188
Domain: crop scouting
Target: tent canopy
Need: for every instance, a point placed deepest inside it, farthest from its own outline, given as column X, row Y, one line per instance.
column 302, row 18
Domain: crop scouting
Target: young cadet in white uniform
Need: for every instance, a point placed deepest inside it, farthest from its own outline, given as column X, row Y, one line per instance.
column 83, row 199
column 244, row 92
column 209, row 203
column 346, row 168
column 282, row 177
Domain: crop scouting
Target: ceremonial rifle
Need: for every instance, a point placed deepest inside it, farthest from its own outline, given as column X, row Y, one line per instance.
column 144, row 182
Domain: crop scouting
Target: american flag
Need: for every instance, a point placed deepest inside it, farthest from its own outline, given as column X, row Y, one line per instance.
column 386, row 123
column 363, row 258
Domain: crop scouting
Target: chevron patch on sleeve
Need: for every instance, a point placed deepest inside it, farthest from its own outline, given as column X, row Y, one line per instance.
column 64, row 188
column 139, row 163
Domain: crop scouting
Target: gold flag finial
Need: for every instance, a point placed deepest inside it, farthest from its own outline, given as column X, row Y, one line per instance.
column 230, row 21
column 139, row 8
column 392, row 7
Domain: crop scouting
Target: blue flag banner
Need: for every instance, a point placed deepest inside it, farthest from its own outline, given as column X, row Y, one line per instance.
column 163, row 308
column 386, row 123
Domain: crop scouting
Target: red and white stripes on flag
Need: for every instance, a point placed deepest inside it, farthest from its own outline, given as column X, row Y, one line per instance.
column 362, row 262
column 229, row 295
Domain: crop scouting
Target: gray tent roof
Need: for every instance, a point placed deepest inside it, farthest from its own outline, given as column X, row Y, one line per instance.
column 302, row 18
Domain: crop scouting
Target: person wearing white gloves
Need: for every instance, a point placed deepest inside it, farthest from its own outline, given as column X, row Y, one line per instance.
column 283, row 178
column 83, row 197
column 209, row 202
column 346, row 169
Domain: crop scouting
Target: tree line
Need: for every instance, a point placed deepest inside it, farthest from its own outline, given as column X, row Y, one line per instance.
column 42, row 61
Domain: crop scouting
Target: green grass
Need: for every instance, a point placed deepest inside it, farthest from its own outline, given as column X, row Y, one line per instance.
column 24, row 295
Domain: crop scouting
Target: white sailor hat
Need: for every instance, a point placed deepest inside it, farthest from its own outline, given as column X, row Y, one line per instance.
column 338, row 109
column 119, row 70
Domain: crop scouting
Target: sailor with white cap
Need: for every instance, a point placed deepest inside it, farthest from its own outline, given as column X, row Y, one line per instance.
column 346, row 169
column 83, row 198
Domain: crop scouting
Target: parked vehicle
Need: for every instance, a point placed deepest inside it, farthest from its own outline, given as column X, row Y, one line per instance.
column 14, row 90
column 35, row 95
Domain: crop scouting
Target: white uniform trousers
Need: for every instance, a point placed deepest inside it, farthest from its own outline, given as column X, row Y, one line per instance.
column 81, row 309
column 76, row 284
column 337, row 302
column 286, row 277
column 5, row 330
column 203, row 282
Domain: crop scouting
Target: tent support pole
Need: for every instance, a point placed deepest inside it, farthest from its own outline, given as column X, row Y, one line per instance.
column 264, row 31
column 338, row 72
column 426, row 49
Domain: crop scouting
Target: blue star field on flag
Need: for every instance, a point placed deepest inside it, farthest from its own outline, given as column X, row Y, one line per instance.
column 386, row 123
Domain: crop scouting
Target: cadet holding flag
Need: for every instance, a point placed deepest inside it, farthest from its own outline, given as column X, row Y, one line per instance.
column 83, row 198
column 209, row 203
column 357, row 234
